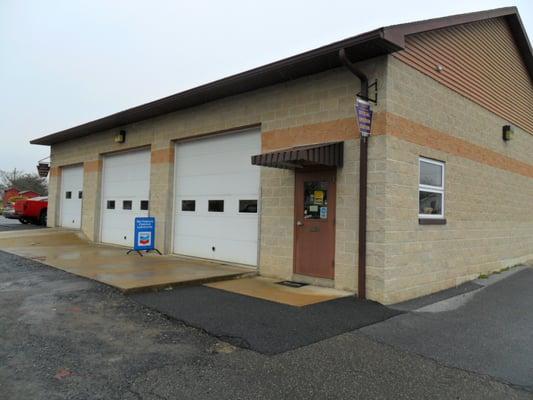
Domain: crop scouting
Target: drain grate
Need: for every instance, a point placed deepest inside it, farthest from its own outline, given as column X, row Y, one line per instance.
column 292, row 284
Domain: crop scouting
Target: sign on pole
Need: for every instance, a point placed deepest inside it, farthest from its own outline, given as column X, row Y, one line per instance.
column 363, row 110
column 144, row 234
column 43, row 169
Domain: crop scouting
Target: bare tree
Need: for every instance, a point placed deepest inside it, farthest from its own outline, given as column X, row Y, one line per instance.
column 23, row 181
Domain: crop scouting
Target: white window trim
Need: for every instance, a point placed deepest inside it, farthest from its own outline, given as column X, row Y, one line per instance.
column 432, row 189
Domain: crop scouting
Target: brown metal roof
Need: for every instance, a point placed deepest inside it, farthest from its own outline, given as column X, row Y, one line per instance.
column 323, row 154
column 361, row 47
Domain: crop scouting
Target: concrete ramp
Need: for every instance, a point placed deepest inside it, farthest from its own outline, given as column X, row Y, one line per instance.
column 271, row 290
column 69, row 251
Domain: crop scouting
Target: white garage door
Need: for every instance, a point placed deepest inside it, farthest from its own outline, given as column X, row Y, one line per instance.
column 217, row 195
column 125, row 194
column 71, row 196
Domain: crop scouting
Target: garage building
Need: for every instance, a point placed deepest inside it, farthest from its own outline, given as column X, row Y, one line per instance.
column 268, row 169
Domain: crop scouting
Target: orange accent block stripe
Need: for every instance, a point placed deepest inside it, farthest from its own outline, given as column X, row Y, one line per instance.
column 413, row 132
column 330, row 131
column 379, row 123
column 322, row 132
column 92, row 166
column 163, row 156
column 390, row 124
column 54, row 171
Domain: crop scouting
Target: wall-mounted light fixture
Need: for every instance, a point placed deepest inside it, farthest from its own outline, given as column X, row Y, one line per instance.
column 507, row 132
column 120, row 137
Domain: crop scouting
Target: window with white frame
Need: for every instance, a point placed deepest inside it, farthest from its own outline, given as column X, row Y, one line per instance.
column 431, row 189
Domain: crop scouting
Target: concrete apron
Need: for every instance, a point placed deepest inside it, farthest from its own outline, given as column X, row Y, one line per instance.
column 69, row 251
column 271, row 290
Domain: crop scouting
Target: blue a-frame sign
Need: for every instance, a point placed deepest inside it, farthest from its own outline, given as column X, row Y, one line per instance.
column 144, row 235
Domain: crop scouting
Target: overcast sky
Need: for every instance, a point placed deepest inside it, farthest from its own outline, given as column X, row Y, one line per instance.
column 63, row 63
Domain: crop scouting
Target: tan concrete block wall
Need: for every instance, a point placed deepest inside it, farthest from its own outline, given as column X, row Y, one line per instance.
column 415, row 96
column 487, row 207
column 91, row 203
column 376, row 206
column 162, row 196
column 54, row 182
column 277, row 222
column 346, row 219
column 306, row 103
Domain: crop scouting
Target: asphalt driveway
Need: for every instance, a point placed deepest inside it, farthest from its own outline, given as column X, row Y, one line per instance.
column 260, row 325
column 489, row 331
column 7, row 224
column 66, row 337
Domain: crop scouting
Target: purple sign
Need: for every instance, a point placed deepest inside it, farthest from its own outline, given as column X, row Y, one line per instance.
column 363, row 111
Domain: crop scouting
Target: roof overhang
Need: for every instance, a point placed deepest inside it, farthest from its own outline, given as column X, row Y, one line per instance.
column 358, row 48
column 323, row 155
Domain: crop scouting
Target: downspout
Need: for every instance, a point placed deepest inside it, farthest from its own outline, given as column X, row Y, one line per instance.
column 363, row 173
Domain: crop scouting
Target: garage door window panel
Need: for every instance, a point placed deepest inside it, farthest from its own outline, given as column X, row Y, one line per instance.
column 248, row 206
column 68, row 195
column 215, row 206
column 188, row 205
column 110, row 204
column 126, row 204
column 144, row 204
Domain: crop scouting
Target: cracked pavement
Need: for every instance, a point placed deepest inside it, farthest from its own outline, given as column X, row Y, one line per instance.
column 65, row 337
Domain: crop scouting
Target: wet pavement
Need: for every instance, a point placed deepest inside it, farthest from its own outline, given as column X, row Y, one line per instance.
column 65, row 337
column 69, row 251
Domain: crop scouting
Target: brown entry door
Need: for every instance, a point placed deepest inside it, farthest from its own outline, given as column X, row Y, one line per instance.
column 314, row 223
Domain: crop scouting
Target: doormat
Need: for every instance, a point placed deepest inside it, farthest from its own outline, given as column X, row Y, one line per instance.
column 292, row 284
column 261, row 325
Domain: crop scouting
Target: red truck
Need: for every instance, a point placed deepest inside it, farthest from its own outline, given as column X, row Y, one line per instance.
column 32, row 210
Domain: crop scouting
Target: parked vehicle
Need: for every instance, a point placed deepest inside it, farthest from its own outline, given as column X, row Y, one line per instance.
column 32, row 210
column 9, row 212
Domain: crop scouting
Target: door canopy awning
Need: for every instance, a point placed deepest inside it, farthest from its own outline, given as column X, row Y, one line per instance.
column 323, row 154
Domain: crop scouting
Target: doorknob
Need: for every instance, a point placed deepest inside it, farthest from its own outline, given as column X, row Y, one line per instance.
column 299, row 223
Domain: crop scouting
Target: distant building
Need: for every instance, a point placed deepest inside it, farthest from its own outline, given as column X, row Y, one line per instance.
column 28, row 194
column 14, row 192
column 8, row 194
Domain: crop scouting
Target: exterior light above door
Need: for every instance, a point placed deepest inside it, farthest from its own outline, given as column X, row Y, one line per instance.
column 120, row 137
